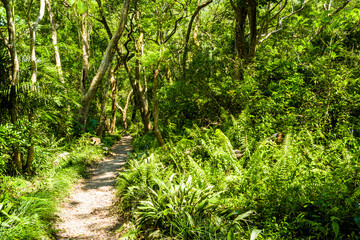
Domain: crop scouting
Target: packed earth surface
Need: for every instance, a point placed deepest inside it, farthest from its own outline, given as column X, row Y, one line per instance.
column 90, row 210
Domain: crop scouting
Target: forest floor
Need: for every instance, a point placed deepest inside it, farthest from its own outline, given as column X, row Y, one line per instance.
column 90, row 211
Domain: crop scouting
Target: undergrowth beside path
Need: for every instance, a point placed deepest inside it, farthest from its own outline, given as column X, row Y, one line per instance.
column 306, row 186
column 28, row 204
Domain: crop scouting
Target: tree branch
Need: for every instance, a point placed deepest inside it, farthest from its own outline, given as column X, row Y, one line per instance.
column 282, row 19
column 174, row 30
column 189, row 30
column 332, row 14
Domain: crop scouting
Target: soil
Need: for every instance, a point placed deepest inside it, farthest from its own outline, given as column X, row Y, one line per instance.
column 90, row 211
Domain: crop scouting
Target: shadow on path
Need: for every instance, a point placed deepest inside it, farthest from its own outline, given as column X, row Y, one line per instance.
column 90, row 212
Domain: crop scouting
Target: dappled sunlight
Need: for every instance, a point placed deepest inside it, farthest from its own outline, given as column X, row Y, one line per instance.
column 87, row 214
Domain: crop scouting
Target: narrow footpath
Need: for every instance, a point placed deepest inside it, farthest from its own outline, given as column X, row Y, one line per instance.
column 89, row 212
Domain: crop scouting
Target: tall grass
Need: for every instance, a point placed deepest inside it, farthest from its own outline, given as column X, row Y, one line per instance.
column 28, row 204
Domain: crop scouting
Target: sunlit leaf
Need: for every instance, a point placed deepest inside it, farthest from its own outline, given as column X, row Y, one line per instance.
column 254, row 234
column 81, row 7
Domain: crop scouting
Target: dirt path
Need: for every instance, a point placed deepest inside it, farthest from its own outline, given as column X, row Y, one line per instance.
column 88, row 212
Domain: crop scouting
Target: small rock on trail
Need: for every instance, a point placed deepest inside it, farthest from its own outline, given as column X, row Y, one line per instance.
column 89, row 212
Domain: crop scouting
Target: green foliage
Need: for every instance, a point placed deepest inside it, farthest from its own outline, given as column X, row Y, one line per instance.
column 307, row 186
column 303, row 82
column 174, row 192
column 28, row 205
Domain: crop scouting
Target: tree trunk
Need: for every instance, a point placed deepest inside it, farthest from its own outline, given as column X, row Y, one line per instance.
column 140, row 99
column 14, row 120
column 16, row 157
column 85, row 71
column 11, row 42
column 54, row 42
column 101, row 128
column 144, row 103
column 168, row 74
column 240, row 44
column 186, row 48
column 140, row 92
column 253, row 29
column 31, row 149
column 85, row 54
column 32, row 29
column 135, row 107
column 31, row 116
column 124, row 110
column 245, row 53
column 196, row 28
column 87, row 98
column 113, row 82
column 156, row 108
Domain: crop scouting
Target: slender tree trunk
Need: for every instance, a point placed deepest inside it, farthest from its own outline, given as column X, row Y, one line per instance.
column 140, row 93
column 156, row 107
column 103, row 19
column 33, row 56
column 31, row 149
column 186, row 48
column 15, row 69
column 144, row 104
column 33, row 27
column 85, row 71
column 168, row 74
column 55, row 43
column 140, row 99
column 113, row 104
column 135, row 107
column 56, row 50
column 12, row 42
column 87, row 98
column 101, row 128
column 196, row 28
column 140, row 49
column 113, row 83
column 16, row 157
column 85, row 54
column 124, row 110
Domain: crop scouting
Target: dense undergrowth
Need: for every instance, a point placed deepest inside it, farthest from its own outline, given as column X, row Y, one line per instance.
column 28, row 203
column 225, row 184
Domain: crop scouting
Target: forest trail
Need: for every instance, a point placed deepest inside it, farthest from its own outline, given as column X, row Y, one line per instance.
column 90, row 211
